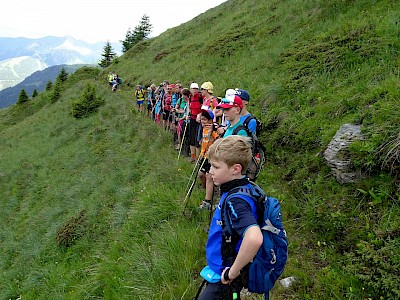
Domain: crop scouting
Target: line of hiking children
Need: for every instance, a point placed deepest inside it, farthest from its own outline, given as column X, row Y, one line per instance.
column 247, row 245
column 196, row 118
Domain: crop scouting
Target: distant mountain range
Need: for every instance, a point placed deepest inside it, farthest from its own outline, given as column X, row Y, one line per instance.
column 21, row 57
column 37, row 80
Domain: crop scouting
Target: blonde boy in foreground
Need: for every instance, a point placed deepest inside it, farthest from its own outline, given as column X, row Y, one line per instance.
column 228, row 256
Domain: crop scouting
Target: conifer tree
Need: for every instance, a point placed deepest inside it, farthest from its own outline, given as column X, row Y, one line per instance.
column 56, row 91
column 63, row 75
column 35, row 93
column 49, row 85
column 22, row 97
column 108, row 55
column 140, row 33
column 87, row 103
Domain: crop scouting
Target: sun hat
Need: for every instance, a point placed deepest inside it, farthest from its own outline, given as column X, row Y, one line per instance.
column 207, row 113
column 243, row 94
column 194, row 85
column 207, row 86
column 230, row 94
column 234, row 101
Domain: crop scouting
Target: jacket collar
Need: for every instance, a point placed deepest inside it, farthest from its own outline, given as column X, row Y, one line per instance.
column 227, row 186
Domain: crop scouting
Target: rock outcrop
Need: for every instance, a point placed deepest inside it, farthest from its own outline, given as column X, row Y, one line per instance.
column 337, row 154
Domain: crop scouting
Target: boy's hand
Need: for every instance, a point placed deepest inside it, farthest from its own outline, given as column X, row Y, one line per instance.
column 221, row 130
column 228, row 276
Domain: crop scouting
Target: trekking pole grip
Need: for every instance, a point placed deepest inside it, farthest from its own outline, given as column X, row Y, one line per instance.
column 226, row 274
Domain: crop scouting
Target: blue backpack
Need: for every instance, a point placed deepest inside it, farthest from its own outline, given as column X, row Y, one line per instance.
column 270, row 260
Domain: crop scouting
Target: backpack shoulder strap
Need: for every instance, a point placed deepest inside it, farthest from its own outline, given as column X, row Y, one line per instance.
column 180, row 99
column 242, row 192
column 242, row 127
column 247, row 120
column 249, row 193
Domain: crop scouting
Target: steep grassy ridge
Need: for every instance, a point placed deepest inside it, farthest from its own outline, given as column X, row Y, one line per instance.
column 101, row 190
column 109, row 191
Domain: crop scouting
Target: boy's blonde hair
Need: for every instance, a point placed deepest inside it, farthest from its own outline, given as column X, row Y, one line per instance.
column 234, row 149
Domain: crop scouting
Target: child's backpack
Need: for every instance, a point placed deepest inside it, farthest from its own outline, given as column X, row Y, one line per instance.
column 258, row 153
column 259, row 126
column 270, row 260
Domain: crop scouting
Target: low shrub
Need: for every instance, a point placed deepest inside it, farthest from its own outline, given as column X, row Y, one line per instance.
column 71, row 231
column 87, row 103
column 377, row 266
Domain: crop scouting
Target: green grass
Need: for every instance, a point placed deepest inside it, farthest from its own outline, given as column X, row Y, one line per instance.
column 111, row 186
column 106, row 166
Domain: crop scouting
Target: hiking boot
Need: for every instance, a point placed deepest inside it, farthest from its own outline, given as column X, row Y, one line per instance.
column 205, row 205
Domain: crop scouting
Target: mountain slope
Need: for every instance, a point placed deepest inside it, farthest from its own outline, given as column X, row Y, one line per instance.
column 51, row 50
column 15, row 70
column 37, row 80
column 111, row 185
column 20, row 57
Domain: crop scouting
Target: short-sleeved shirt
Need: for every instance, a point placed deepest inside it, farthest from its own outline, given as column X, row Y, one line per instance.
column 240, row 214
column 230, row 129
column 174, row 99
column 211, row 103
column 252, row 125
column 195, row 105
column 167, row 102
column 182, row 105
column 139, row 95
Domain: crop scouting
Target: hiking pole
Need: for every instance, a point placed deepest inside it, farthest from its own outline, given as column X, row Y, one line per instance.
column 183, row 139
column 192, row 186
column 152, row 111
column 199, row 290
column 195, row 170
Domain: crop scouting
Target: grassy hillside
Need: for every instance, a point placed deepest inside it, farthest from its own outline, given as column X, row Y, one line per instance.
column 93, row 207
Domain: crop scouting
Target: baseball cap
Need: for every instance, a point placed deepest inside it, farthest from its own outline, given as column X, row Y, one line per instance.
column 194, row 85
column 243, row 94
column 207, row 86
column 207, row 113
column 234, row 101
column 230, row 93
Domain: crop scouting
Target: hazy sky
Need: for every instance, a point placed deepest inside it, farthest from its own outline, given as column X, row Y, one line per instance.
column 94, row 20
